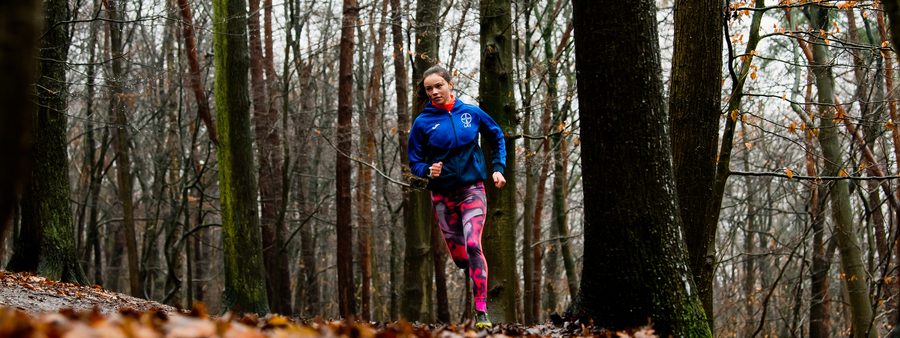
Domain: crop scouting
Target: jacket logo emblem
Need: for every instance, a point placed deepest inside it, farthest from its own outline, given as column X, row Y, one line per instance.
column 435, row 126
column 466, row 120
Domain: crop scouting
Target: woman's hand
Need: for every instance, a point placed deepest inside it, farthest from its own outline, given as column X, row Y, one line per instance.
column 435, row 169
column 499, row 180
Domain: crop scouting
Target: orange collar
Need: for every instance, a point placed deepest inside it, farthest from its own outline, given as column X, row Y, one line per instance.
column 448, row 106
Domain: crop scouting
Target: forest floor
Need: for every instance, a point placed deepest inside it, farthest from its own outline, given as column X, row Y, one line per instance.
column 33, row 306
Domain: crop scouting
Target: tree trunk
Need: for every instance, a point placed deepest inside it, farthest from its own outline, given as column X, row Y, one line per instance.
column 635, row 267
column 367, row 129
column 839, row 195
column 245, row 285
column 892, row 8
column 90, row 146
column 307, row 300
column 271, row 162
column 342, row 162
column 400, row 85
column 417, row 214
column 495, row 90
column 121, row 142
column 276, row 153
column 93, row 165
column 531, row 164
column 46, row 244
column 560, row 207
column 538, row 250
column 20, row 27
column 93, row 235
column 551, row 264
column 694, row 108
column 196, row 83
column 439, row 250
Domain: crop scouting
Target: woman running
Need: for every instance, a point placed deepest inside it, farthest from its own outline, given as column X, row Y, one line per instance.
column 443, row 146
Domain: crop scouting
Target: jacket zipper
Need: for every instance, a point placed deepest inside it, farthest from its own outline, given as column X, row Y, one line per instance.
column 456, row 136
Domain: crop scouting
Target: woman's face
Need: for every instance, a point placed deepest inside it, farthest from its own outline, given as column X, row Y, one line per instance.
column 438, row 89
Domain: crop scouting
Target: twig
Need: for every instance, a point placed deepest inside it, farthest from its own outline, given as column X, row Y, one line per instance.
column 393, row 180
column 554, row 239
column 814, row 178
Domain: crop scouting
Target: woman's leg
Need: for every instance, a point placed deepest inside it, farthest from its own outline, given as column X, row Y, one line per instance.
column 473, row 209
column 448, row 219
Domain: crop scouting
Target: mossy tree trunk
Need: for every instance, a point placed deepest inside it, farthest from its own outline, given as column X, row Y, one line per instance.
column 636, row 266
column 245, row 286
column 496, row 92
column 46, row 243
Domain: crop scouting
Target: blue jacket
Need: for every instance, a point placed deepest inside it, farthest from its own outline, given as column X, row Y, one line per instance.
column 452, row 138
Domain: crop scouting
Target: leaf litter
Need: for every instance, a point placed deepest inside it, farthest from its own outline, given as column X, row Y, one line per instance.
column 33, row 306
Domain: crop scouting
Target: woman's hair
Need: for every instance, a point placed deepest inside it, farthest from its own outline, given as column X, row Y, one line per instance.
column 436, row 69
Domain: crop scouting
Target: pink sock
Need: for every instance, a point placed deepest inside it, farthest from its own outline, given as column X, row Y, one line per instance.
column 481, row 305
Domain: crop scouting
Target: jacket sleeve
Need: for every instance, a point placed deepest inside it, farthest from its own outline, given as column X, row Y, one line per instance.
column 416, row 151
column 494, row 133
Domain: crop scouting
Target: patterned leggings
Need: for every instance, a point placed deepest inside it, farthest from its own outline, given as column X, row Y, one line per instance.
column 460, row 214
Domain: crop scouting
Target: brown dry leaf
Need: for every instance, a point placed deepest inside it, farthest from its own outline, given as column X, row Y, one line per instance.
column 242, row 331
column 186, row 327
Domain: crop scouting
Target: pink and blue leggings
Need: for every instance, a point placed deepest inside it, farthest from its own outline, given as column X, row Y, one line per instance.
column 460, row 213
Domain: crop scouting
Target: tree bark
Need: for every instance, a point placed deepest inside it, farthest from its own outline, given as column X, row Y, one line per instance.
column 495, row 90
column 245, row 286
column 46, row 244
column 342, row 162
column 417, row 213
column 271, row 162
column 694, row 108
column 635, row 267
column 20, row 28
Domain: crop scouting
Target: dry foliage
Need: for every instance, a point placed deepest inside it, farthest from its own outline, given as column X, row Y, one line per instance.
column 32, row 306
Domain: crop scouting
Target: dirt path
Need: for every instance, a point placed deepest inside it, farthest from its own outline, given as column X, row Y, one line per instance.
column 35, row 295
